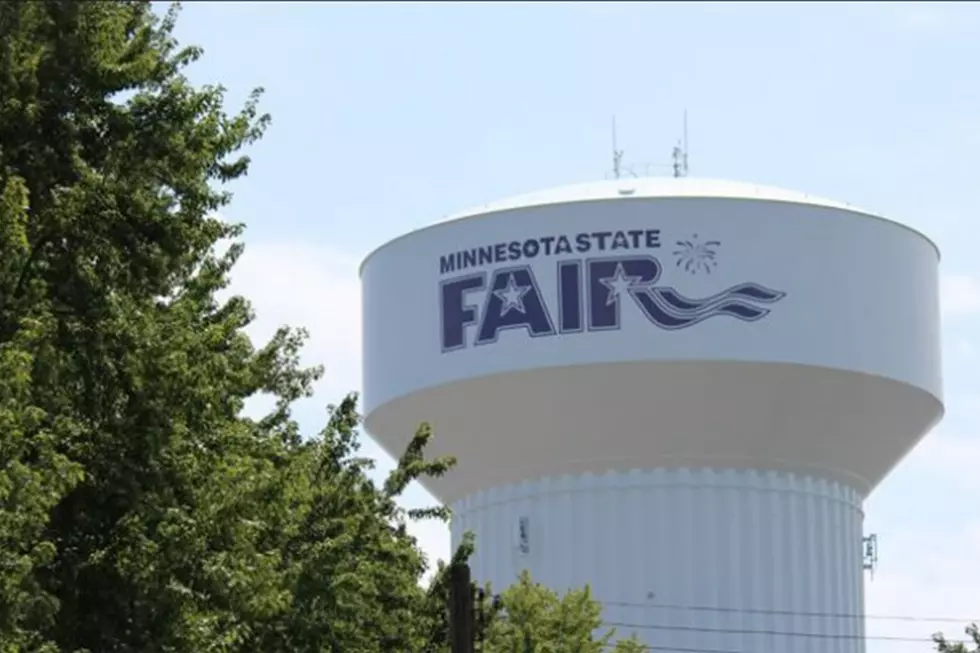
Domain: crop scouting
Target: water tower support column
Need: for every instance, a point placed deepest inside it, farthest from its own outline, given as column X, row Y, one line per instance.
column 698, row 559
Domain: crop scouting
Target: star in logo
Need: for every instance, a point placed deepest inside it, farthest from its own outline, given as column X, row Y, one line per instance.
column 512, row 296
column 619, row 284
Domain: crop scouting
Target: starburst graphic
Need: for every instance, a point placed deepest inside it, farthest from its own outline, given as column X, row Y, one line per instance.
column 695, row 256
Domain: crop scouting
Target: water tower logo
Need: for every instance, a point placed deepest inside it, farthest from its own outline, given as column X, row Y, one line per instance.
column 590, row 290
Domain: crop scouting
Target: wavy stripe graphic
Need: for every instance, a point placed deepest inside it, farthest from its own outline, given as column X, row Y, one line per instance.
column 671, row 310
column 751, row 292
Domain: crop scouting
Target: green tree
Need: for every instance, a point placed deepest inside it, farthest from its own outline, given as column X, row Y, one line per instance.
column 530, row 618
column 139, row 511
column 944, row 646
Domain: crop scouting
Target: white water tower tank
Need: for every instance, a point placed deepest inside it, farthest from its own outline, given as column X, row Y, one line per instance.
column 678, row 391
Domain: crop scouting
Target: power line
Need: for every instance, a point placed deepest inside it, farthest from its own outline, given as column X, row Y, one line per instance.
column 677, row 649
column 771, row 632
column 680, row 649
column 790, row 613
column 766, row 632
column 466, row 601
column 774, row 633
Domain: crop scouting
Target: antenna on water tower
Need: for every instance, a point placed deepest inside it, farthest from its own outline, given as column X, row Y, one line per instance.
column 870, row 553
column 617, row 153
column 680, row 153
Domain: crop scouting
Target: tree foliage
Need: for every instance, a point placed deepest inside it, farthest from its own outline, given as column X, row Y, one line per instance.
column 973, row 636
column 530, row 618
column 140, row 511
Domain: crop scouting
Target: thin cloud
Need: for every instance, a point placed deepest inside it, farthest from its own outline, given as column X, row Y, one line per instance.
column 963, row 349
column 960, row 295
column 305, row 285
column 953, row 457
column 922, row 18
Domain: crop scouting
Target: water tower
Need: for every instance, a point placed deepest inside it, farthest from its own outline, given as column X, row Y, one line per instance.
column 678, row 391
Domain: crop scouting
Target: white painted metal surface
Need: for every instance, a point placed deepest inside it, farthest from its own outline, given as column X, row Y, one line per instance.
column 771, row 355
column 837, row 371
column 703, row 559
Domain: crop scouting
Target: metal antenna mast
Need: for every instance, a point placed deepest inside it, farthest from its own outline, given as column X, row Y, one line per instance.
column 680, row 153
column 617, row 153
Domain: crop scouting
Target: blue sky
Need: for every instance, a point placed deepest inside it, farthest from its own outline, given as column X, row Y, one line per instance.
column 388, row 117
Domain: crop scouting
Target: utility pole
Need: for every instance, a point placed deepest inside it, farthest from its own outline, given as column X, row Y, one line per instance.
column 461, row 634
column 479, row 617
